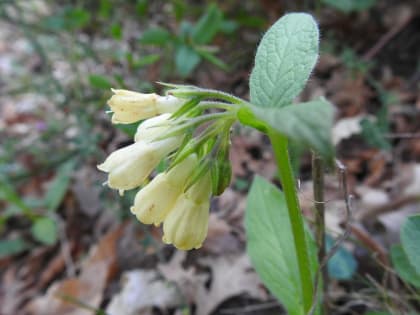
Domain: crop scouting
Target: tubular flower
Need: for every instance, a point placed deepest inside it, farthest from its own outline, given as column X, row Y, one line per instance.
column 186, row 224
column 130, row 166
column 129, row 107
column 152, row 128
column 153, row 202
column 196, row 141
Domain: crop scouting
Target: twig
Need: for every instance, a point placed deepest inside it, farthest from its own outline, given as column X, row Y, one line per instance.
column 251, row 308
column 318, row 188
column 370, row 243
column 347, row 229
column 374, row 50
column 406, row 135
column 388, row 207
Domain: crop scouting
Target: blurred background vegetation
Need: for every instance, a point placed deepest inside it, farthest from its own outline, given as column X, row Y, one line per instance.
column 59, row 59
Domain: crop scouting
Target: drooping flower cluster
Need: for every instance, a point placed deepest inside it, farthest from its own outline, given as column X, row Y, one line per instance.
column 179, row 128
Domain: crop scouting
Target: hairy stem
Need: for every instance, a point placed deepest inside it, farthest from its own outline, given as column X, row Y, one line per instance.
column 281, row 153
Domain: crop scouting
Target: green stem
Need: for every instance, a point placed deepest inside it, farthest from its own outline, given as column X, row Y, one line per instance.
column 281, row 153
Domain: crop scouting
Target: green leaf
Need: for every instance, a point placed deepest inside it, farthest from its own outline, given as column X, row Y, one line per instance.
column 270, row 244
column 213, row 59
column 77, row 18
column 348, row 6
column 186, row 59
column 147, row 60
column 8, row 194
column 45, row 230
column 342, row 264
column 12, row 247
column 228, row 27
column 99, row 82
column 410, row 239
column 57, row 188
column 141, row 7
column 155, row 36
column 116, row 31
column 306, row 123
column 373, row 135
column 285, row 58
column 403, row 267
column 208, row 25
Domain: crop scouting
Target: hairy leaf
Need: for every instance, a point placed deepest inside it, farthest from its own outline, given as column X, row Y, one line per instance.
column 285, row 58
column 308, row 124
column 270, row 244
column 410, row 236
column 403, row 267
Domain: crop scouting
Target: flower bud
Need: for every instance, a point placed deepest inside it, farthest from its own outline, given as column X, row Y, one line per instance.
column 129, row 106
column 130, row 166
column 186, row 224
column 153, row 202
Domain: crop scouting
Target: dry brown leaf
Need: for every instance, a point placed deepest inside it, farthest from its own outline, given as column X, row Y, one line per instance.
column 230, row 276
column 220, row 238
column 13, row 291
column 142, row 290
column 187, row 280
column 88, row 287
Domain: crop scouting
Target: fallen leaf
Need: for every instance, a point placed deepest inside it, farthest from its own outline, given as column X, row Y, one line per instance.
column 66, row 297
column 219, row 237
column 230, row 276
column 141, row 291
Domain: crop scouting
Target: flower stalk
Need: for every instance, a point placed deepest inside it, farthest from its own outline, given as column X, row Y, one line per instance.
column 280, row 147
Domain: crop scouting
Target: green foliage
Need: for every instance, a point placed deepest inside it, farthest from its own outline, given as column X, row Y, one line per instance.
column 373, row 134
column 9, row 194
column 188, row 45
column 208, row 26
column 68, row 18
column 406, row 257
column 156, row 36
column 405, row 270
column 270, row 244
column 45, row 230
column 284, row 60
column 342, row 264
column 58, row 187
column 410, row 236
column 12, row 247
column 100, row 82
column 348, row 6
column 186, row 60
column 308, row 124
column 353, row 62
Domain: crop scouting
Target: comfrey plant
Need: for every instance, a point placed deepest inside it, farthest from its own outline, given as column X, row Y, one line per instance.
column 190, row 126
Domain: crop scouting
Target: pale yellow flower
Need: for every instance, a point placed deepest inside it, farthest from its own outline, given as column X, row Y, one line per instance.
column 152, row 128
column 153, row 202
column 129, row 107
column 130, row 166
column 186, row 224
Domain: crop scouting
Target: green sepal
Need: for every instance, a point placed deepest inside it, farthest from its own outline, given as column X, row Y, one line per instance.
column 203, row 167
column 221, row 175
column 190, row 104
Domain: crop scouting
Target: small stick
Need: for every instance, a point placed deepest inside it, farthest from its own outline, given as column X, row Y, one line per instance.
column 373, row 51
column 347, row 222
column 319, row 204
column 388, row 207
